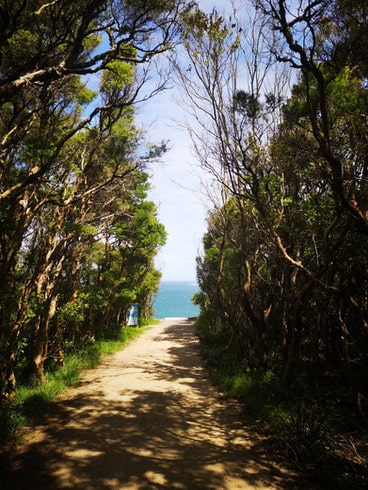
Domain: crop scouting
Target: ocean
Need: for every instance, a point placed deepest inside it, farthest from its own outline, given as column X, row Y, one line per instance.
column 174, row 300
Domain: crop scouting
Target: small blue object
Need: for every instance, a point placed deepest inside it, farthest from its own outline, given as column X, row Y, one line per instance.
column 133, row 315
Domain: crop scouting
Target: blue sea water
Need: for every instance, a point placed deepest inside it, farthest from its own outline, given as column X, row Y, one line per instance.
column 174, row 300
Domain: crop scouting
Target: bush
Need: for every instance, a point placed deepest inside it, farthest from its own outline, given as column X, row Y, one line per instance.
column 304, row 434
column 301, row 431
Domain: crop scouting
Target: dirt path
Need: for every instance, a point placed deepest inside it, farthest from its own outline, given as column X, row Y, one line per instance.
column 147, row 418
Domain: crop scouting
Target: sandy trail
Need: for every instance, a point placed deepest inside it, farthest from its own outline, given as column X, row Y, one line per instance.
column 147, row 418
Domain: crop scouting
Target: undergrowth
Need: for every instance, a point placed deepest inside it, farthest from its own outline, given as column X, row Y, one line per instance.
column 311, row 435
column 30, row 400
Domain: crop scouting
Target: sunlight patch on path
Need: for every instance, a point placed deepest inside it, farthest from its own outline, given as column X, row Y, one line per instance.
column 146, row 419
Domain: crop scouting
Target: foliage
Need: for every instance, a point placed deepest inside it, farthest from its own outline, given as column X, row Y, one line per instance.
column 78, row 236
column 281, row 255
column 304, row 435
column 283, row 273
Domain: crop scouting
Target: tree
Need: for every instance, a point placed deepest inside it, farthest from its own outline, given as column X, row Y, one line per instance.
column 231, row 126
column 279, row 251
column 54, row 159
column 312, row 40
column 317, row 38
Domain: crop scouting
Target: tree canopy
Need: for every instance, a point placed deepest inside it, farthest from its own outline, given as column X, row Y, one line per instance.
column 284, row 268
column 77, row 234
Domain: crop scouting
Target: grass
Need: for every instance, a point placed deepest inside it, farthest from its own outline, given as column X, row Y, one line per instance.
column 31, row 400
column 257, row 390
column 304, row 433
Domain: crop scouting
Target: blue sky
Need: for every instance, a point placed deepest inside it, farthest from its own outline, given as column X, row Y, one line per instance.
column 176, row 189
column 176, row 183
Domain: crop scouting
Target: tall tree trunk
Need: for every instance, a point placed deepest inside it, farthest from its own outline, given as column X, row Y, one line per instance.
column 47, row 301
column 12, row 329
column 40, row 346
column 343, row 336
column 7, row 374
column 292, row 347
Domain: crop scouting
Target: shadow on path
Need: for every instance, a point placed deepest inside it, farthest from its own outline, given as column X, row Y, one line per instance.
column 146, row 419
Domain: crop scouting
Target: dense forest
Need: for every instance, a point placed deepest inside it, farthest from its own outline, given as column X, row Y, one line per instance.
column 280, row 103
column 78, row 236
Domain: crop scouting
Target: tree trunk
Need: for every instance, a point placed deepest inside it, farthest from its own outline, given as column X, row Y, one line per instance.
column 12, row 329
column 343, row 335
column 40, row 347
column 7, row 374
column 293, row 346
